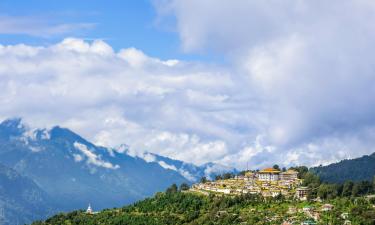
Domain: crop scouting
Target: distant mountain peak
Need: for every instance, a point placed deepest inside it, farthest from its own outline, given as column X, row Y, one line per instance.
column 11, row 122
column 14, row 122
column 13, row 127
column 60, row 132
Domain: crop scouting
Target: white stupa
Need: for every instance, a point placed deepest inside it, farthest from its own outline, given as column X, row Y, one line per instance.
column 89, row 210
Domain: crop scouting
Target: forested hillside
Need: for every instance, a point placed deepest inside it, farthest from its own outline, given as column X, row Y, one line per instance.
column 358, row 169
column 175, row 207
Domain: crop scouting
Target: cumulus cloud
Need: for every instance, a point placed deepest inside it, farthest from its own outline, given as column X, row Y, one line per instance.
column 308, row 63
column 164, row 106
column 297, row 89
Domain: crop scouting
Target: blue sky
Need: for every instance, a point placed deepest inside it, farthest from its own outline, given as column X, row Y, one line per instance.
column 234, row 82
column 119, row 23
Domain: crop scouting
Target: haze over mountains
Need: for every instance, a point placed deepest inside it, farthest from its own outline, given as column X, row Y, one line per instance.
column 63, row 171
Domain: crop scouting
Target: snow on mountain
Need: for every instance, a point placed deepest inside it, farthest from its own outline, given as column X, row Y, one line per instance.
column 92, row 158
column 67, row 166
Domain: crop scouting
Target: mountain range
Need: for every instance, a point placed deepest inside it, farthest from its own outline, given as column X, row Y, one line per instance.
column 45, row 171
column 63, row 171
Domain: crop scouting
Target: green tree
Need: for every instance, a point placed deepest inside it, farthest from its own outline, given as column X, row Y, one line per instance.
column 203, row 180
column 172, row 189
column 227, row 175
column 184, row 187
column 356, row 190
column 328, row 191
column 311, row 180
column 276, row 167
column 361, row 188
column 302, row 170
column 347, row 189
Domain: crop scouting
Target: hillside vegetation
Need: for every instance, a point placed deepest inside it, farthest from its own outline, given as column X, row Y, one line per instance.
column 176, row 207
column 357, row 169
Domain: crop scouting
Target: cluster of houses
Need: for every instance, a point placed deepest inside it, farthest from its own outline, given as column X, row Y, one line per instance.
column 268, row 182
column 314, row 215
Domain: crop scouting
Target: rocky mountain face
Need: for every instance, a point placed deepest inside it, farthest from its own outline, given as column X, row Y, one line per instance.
column 21, row 199
column 74, row 172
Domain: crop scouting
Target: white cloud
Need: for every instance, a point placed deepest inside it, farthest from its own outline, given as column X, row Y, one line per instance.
column 137, row 59
column 297, row 88
column 92, row 158
column 167, row 166
column 149, row 157
column 211, row 170
column 308, row 64
column 186, row 147
column 110, row 99
column 187, row 175
column 77, row 157
column 38, row 26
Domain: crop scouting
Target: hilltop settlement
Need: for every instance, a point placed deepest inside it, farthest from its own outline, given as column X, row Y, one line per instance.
column 270, row 196
column 269, row 182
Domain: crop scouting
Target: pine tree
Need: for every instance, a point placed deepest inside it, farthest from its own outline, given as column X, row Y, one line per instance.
column 184, row 187
column 347, row 189
column 172, row 189
column 276, row 167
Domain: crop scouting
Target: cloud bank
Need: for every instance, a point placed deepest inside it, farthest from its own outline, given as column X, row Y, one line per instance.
column 163, row 106
column 298, row 88
column 309, row 63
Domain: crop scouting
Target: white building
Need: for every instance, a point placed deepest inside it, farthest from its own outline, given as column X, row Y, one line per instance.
column 225, row 191
column 289, row 175
column 269, row 174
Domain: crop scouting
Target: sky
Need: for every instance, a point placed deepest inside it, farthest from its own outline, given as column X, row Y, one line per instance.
column 255, row 82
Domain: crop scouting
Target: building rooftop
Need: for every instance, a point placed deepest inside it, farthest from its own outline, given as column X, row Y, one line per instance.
column 269, row 170
column 290, row 172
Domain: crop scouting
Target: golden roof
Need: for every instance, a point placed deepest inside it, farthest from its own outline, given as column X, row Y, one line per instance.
column 269, row 170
